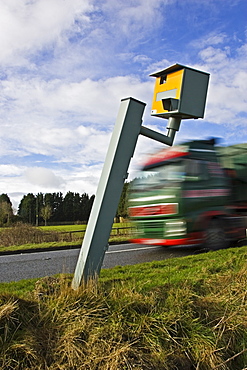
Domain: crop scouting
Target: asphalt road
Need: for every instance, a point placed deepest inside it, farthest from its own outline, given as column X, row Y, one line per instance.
column 40, row 264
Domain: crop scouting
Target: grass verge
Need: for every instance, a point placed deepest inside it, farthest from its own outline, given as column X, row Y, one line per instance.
column 53, row 245
column 187, row 313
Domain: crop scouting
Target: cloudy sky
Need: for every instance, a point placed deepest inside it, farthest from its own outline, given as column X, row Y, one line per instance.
column 65, row 65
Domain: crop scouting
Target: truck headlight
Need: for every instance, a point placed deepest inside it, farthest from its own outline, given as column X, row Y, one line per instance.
column 175, row 228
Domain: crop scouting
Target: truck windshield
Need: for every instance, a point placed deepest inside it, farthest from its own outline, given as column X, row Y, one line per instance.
column 165, row 175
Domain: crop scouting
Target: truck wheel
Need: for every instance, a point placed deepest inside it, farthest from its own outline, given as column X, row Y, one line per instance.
column 215, row 236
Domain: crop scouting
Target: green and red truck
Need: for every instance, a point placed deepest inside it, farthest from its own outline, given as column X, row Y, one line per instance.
column 194, row 193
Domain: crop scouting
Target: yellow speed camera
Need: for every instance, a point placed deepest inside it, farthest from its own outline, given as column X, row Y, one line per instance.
column 179, row 92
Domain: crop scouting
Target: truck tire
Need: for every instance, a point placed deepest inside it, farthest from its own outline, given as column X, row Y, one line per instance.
column 215, row 236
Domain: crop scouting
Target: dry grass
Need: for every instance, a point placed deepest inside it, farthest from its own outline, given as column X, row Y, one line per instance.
column 21, row 234
column 198, row 325
column 24, row 235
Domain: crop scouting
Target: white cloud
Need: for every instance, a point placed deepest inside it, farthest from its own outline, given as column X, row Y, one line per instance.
column 43, row 177
column 214, row 56
column 9, row 170
column 30, row 25
column 44, row 116
column 213, row 38
column 159, row 65
column 90, row 98
column 133, row 18
column 227, row 96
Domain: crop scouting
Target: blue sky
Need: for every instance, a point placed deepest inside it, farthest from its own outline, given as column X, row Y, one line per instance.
column 66, row 64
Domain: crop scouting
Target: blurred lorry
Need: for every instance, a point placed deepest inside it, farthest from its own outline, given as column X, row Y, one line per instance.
column 191, row 194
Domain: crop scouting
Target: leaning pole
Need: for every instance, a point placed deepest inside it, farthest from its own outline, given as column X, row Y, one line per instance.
column 113, row 176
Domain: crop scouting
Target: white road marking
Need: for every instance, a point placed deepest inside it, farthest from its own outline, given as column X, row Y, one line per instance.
column 34, row 255
column 132, row 249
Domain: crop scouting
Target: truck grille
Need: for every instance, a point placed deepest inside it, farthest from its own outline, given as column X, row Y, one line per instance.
column 151, row 229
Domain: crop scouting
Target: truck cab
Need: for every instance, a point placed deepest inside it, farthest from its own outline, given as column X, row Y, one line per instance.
column 183, row 196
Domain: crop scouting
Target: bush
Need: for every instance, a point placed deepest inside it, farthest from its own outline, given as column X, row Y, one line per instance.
column 20, row 234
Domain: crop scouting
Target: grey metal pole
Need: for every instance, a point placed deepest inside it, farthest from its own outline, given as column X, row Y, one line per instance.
column 114, row 173
column 173, row 127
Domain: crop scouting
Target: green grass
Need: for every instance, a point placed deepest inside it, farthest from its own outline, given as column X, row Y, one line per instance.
column 176, row 270
column 181, row 313
column 63, row 228
column 19, row 289
column 49, row 245
column 71, row 228
column 44, row 246
column 146, row 276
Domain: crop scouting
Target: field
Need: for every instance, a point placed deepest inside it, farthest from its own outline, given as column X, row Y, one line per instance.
column 186, row 313
column 23, row 236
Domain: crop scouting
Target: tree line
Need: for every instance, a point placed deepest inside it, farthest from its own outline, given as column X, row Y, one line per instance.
column 34, row 209
column 54, row 207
